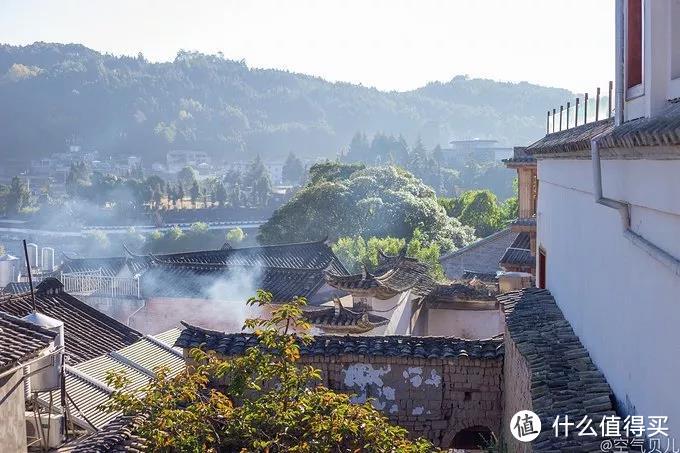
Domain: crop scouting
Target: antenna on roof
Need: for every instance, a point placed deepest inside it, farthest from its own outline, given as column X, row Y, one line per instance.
column 576, row 113
column 585, row 108
column 30, row 277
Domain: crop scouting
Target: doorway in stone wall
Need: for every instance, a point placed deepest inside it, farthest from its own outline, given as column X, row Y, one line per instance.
column 473, row 439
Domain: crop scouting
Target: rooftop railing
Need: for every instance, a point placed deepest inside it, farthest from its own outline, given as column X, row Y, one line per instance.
column 571, row 116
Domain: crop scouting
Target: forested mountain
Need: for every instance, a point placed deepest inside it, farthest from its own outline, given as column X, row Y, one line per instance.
column 53, row 93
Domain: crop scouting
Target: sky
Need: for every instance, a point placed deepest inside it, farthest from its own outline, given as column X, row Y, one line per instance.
column 388, row 44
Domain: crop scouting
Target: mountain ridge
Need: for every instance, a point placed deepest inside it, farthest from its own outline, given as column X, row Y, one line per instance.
column 56, row 93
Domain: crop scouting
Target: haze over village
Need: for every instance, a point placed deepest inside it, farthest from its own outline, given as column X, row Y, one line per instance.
column 340, row 226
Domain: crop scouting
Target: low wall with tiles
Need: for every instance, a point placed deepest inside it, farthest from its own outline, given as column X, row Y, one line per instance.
column 431, row 398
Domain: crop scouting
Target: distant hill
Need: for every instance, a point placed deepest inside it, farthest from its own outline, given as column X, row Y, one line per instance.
column 52, row 93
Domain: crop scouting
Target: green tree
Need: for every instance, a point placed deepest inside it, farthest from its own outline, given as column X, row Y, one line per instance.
column 293, row 169
column 270, row 402
column 375, row 201
column 194, row 193
column 235, row 235
column 261, row 186
column 355, row 252
column 220, row 194
column 19, row 197
column 482, row 212
column 187, row 176
column 358, row 149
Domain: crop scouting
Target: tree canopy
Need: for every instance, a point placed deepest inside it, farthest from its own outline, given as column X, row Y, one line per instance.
column 355, row 201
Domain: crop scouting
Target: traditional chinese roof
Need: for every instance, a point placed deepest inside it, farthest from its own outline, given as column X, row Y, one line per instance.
column 564, row 379
column 519, row 252
column 116, row 436
column 87, row 332
column 520, row 158
column 658, row 137
column 208, row 281
column 481, row 276
column 458, row 292
column 338, row 319
column 229, row 344
column 524, row 222
column 481, row 256
column 20, row 341
column 304, row 255
column 574, row 141
column 393, row 275
column 109, row 267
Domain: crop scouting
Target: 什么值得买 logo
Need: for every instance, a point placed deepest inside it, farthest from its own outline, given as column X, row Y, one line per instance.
column 525, row 426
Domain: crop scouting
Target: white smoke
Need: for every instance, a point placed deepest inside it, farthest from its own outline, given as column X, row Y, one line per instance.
column 226, row 297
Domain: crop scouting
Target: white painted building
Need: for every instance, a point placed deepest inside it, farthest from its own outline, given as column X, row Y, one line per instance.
column 608, row 218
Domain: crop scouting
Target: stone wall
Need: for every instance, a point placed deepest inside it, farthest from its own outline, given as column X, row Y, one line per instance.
column 431, row 398
column 13, row 426
column 516, row 391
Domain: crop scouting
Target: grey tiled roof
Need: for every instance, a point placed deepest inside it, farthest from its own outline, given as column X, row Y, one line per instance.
column 519, row 253
column 117, row 436
column 305, row 255
column 198, row 280
column 20, row 340
column 88, row 332
column 482, row 276
column 341, row 319
column 393, row 346
column 661, row 130
column 16, row 288
column 574, row 140
column 520, row 156
column 393, row 275
column 526, row 221
column 458, row 292
column 109, row 267
column 564, row 380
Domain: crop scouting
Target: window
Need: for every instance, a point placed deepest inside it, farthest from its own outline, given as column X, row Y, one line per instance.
column 541, row 268
column 675, row 39
column 634, row 43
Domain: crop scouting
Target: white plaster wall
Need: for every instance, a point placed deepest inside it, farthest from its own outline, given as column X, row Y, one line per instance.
column 623, row 304
column 470, row 324
column 398, row 310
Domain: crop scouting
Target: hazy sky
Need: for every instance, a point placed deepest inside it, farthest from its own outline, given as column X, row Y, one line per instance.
column 389, row 44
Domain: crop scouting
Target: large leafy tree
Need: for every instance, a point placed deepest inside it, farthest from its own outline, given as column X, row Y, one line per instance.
column 373, row 201
column 269, row 403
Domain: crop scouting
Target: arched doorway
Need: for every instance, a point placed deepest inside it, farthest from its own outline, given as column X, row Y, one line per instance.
column 473, row 438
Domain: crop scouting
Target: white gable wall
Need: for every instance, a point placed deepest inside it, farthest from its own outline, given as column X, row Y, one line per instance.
column 623, row 304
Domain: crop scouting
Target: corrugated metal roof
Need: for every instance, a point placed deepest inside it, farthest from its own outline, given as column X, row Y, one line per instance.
column 86, row 382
